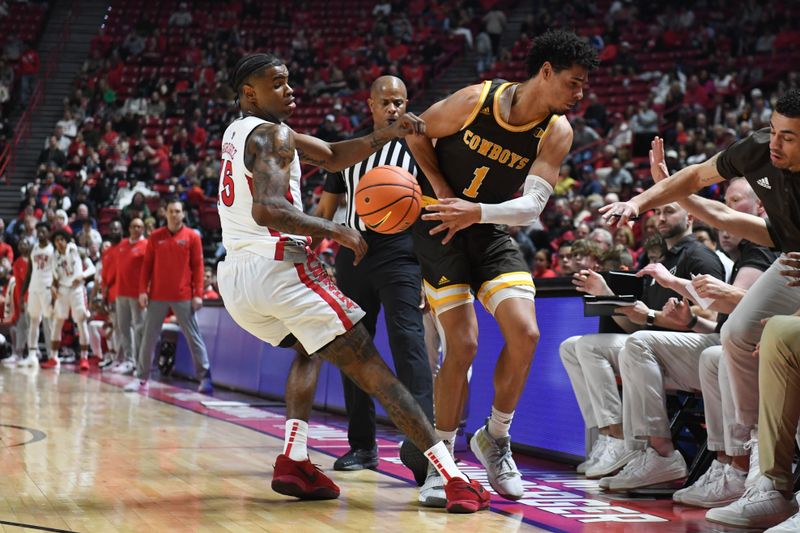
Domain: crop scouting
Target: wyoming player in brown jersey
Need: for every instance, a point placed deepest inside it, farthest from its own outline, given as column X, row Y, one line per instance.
column 492, row 139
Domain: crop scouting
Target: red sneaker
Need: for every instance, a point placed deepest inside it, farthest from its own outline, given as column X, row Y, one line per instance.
column 302, row 479
column 50, row 363
column 84, row 365
column 463, row 497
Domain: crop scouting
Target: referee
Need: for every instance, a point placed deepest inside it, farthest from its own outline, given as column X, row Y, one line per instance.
column 388, row 275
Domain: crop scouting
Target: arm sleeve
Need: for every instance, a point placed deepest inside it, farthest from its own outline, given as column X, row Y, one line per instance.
column 520, row 211
column 334, row 183
column 196, row 264
column 147, row 268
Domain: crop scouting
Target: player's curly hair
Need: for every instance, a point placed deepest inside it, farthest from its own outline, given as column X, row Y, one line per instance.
column 562, row 49
column 61, row 233
column 788, row 105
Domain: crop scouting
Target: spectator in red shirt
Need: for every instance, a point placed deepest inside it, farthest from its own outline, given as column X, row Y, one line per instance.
column 110, row 282
column 542, row 263
column 28, row 68
column 172, row 277
column 197, row 134
column 14, row 316
column 210, row 282
column 5, row 249
column 130, row 317
column 414, row 73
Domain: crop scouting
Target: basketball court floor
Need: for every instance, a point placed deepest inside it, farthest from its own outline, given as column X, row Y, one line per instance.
column 78, row 454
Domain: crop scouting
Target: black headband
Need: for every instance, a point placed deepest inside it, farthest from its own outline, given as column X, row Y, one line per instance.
column 250, row 64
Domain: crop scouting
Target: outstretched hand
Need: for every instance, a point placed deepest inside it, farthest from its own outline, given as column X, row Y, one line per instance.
column 658, row 165
column 618, row 214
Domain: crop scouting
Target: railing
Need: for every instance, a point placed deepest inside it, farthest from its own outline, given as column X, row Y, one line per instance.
column 23, row 126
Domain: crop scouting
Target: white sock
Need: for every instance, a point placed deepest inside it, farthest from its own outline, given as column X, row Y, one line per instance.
column 441, row 459
column 84, row 353
column 294, row 442
column 499, row 423
column 449, row 439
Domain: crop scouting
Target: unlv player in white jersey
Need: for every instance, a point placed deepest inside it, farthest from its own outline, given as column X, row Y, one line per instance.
column 69, row 295
column 37, row 285
column 275, row 287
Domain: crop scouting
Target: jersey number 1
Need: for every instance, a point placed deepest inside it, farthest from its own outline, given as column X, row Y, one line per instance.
column 475, row 184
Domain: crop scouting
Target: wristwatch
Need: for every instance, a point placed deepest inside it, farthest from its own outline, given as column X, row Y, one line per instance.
column 651, row 318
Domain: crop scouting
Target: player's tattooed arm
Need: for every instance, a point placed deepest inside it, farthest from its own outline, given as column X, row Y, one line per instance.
column 337, row 156
column 269, row 155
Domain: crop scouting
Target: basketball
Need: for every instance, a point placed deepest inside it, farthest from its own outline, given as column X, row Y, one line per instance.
column 388, row 199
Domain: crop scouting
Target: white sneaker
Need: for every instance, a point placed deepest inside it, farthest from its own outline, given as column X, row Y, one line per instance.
column 126, row 367
column 725, row 488
column 11, row 361
column 106, row 363
column 708, row 477
column 605, row 482
column 649, row 468
column 431, row 493
column 754, row 471
column 495, row 456
column 594, row 455
column 761, row 506
column 613, row 458
column 137, row 386
column 30, row 360
column 790, row 525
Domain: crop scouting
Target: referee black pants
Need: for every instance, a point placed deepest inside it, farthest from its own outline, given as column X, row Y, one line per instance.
column 386, row 277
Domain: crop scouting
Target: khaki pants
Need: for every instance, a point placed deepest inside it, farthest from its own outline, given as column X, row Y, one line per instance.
column 779, row 403
column 724, row 433
column 769, row 296
column 651, row 363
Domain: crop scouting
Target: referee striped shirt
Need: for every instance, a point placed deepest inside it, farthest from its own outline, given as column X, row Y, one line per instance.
column 394, row 153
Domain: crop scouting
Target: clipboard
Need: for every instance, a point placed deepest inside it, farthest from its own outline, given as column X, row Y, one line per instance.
column 606, row 305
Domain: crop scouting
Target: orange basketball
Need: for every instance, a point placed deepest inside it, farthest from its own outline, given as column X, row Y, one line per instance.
column 388, row 199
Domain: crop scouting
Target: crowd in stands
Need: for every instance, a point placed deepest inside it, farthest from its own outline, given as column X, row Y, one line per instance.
column 145, row 117
column 21, row 24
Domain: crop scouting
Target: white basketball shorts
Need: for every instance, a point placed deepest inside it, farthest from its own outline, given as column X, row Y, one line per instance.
column 40, row 304
column 70, row 299
column 272, row 299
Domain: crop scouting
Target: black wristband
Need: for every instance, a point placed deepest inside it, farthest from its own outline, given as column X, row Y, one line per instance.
column 693, row 322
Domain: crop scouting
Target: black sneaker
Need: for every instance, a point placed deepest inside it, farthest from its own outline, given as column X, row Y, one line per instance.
column 414, row 460
column 357, row 460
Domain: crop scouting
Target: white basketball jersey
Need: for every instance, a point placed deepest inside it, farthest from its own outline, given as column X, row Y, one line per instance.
column 239, row 230
column 69, row 266
column 42, row 267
